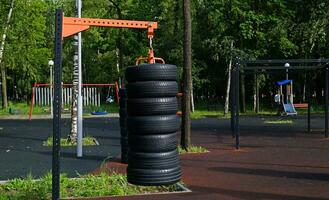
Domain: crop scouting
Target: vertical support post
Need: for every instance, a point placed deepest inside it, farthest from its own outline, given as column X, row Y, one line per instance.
column 309, row 117
column 257, row 94
column 232, row 99
column 51, row 90
column 80, row 105
column 236, row 114
column 57, row 106
column 326, row 102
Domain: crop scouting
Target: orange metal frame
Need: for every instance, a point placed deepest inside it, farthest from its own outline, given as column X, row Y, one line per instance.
column 73, row 25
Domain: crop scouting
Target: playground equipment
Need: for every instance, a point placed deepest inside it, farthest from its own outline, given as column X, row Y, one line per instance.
column 261, row 65
column 42, row 95
column 65, row 27
column 287, row 103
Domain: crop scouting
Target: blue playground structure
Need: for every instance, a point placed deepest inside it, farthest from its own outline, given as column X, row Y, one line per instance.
column 286, row 100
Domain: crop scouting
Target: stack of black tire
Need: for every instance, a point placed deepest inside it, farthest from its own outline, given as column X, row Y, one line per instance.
column 123, row 125
column 153, row 157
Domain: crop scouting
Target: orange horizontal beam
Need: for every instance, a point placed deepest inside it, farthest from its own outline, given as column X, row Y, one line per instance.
column 72, row 25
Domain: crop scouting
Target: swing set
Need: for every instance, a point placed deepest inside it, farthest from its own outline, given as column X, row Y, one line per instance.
column 288, row 102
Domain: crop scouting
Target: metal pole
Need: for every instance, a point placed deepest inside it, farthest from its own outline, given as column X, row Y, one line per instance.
column 309, row 117
column 326, row 103
column 287, row 89
column 57, row 106
column 237, row 88
column 80, row 106
column 232, row 99
column 257, row 94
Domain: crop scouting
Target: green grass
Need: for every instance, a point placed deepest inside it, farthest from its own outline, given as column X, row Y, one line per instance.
column 87, row 141
column 84, row 186
column 279, row 122
column 199, row 114
column 23, row 109
column 192, row 149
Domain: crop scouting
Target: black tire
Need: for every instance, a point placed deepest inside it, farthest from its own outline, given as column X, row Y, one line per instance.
column 151, row 72
column 157, row 124
column 152, row 106
column 163, row 160
column 153, row 143
column 149, row 177
column 152, row 89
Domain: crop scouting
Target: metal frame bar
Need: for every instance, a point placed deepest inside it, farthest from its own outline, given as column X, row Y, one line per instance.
column 283, row 61
column 326, row 101
column 235, row 102
column 57, row 106
column 266, row 67
column 235, row 77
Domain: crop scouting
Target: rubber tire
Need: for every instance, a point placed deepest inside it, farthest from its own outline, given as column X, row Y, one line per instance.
column 152, row 106
column 153, row 177
column 157, row 124
column 152, row 89
column 151, row 72
column 162, row 160
column 153, row 143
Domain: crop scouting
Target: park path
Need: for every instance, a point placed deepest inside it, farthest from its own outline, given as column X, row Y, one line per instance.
column 290, row 167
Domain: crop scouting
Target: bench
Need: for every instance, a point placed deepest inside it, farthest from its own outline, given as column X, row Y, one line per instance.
column 301, row 105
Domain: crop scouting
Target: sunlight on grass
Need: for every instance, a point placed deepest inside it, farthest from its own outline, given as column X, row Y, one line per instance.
column 87, row 141
column 199, row 114
column 84, row 186
column 278, row 122
column 192, row 149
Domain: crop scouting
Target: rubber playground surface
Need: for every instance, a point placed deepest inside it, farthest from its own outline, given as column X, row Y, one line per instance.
column 276, row 161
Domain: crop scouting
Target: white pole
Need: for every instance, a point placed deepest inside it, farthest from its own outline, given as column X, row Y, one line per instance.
column 51, row 64
column 79, row 135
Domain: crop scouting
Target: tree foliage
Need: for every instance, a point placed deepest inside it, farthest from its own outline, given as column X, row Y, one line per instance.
column 259, row 30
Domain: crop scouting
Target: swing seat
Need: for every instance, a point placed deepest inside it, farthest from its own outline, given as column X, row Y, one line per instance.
column 289, row 109
column 99, row 113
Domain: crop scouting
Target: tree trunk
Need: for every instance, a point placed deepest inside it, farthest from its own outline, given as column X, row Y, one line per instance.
column 187, row 75
column 74, row 110
column 228, row 88
column 2, row 66
column 192, row 98
column 119, row 44
column 72, row 137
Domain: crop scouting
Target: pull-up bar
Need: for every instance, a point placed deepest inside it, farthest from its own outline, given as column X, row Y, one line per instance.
column 65, row 27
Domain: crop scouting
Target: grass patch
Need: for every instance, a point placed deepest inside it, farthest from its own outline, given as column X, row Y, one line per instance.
column 87, row 141
column 199, row 114
column 22, row 108
column 84, row 186
column 278, row 122
column 192, row 149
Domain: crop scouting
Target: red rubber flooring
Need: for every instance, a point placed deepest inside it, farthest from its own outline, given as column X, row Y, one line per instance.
column 291, row 166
